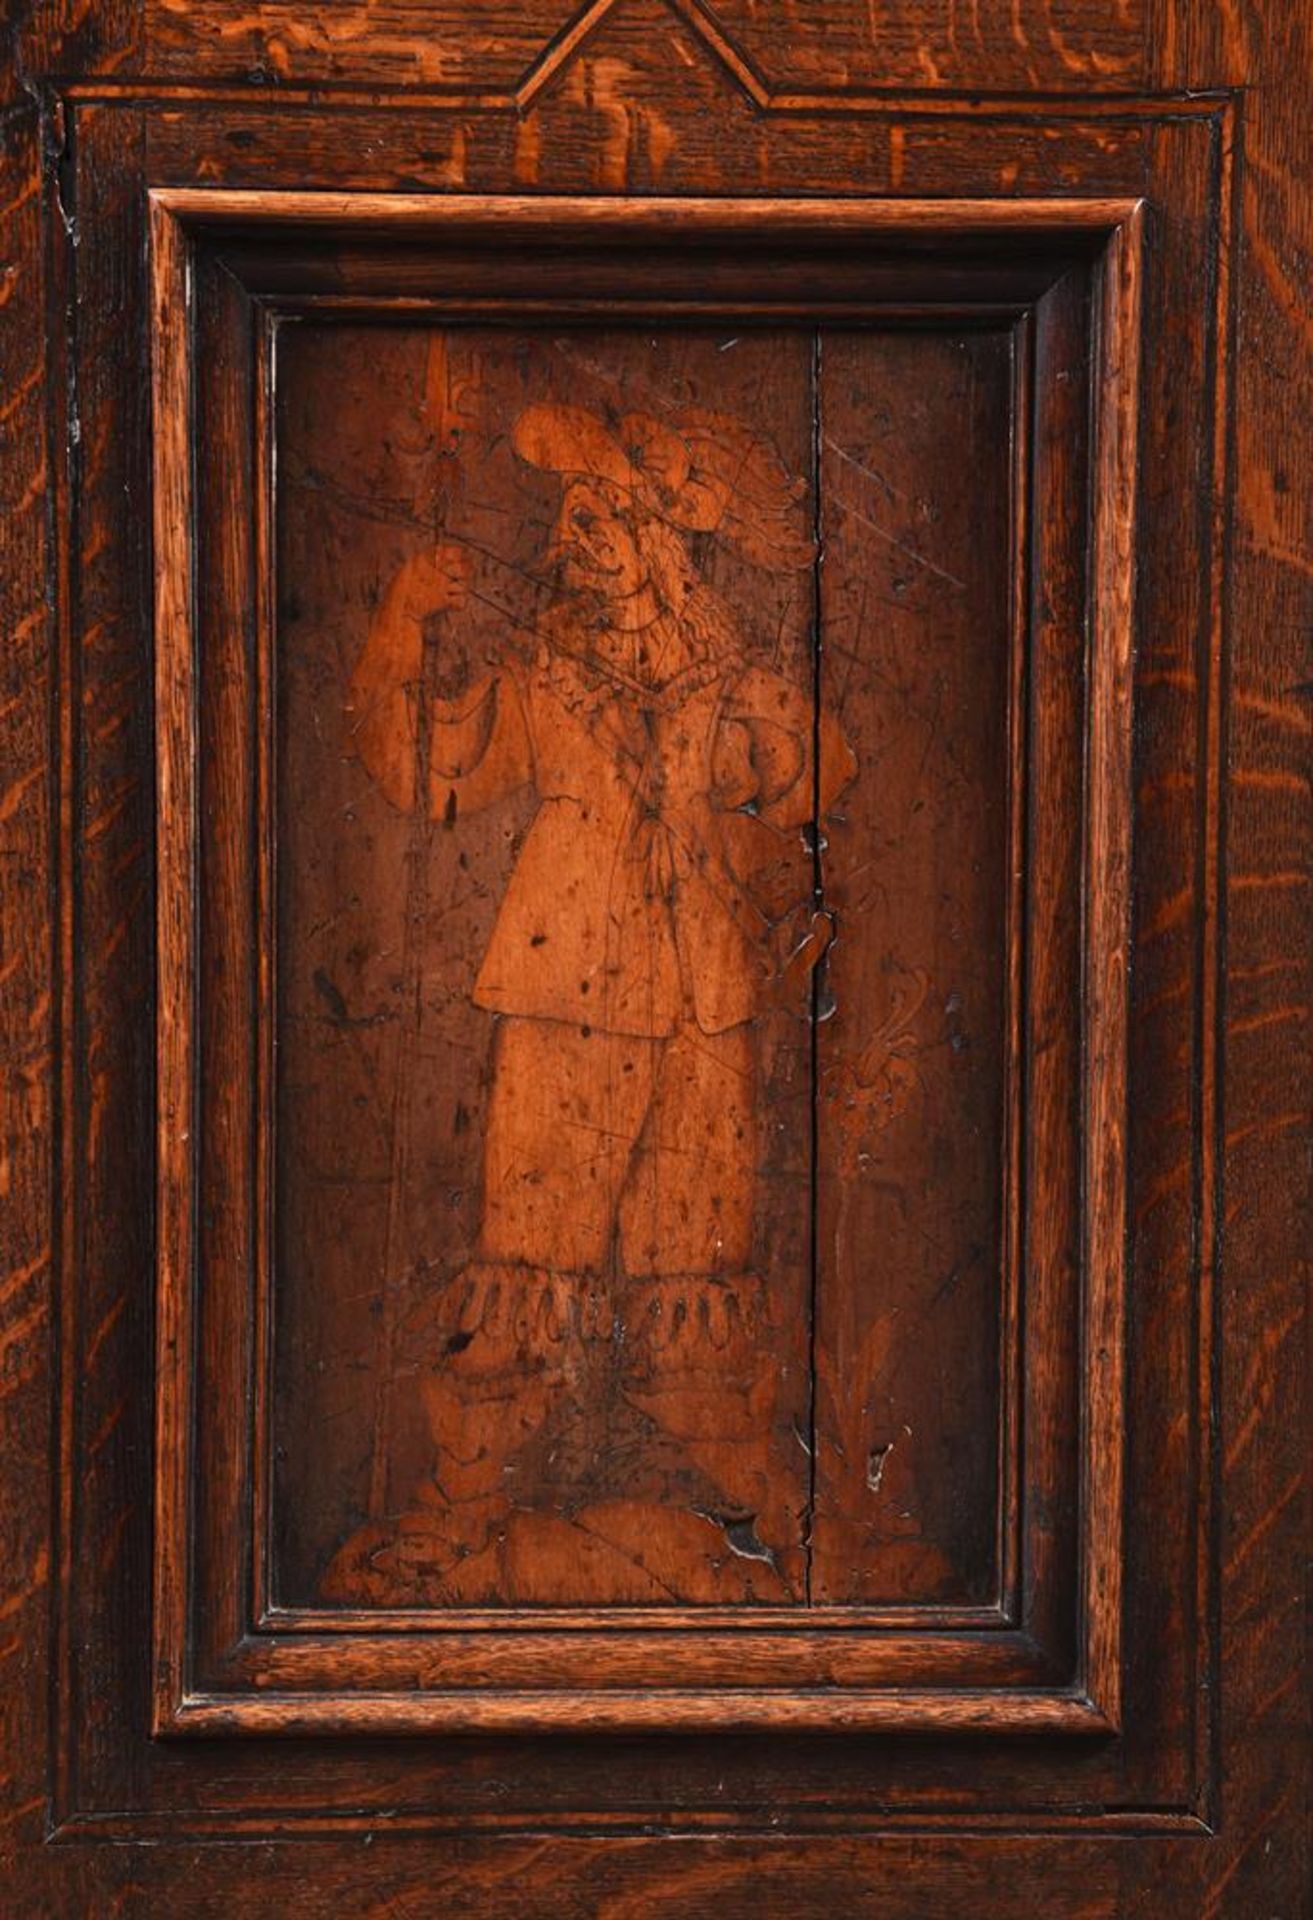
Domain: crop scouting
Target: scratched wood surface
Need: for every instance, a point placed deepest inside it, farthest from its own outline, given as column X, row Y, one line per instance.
column 544, row 1069
column 491, row 1386
column 912, row 1055
column 483, row 49
column 1221, row 1162
column 722, row 805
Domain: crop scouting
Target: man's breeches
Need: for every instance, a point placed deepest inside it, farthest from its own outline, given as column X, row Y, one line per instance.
column 606, row 1153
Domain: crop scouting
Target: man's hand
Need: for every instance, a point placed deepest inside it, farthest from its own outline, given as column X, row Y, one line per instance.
column 390, row 670
column 433, row 582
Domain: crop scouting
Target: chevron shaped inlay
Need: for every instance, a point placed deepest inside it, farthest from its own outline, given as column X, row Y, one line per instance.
column 559, row 53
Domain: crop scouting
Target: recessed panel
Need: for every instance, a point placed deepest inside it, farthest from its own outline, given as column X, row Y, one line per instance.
column 916, row 1064
column 642, row 771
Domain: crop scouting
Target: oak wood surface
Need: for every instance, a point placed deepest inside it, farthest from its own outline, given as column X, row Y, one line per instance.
column 921, row 1009
column 657, row 1227
column 1195, row 1807
column 422, row 1553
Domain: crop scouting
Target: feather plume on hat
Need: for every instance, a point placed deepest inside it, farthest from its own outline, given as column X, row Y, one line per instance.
column 710, row 475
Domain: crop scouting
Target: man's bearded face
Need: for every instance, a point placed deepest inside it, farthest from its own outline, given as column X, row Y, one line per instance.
column 594, row 543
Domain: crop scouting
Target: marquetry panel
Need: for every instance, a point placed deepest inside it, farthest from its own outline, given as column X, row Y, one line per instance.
column 967, row 1563
column 249, row 1642
column 738, row 1295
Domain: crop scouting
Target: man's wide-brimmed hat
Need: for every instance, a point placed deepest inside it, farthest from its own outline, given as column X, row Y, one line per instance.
column 706, row 474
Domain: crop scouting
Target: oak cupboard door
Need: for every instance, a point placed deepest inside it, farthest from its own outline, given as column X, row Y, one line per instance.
column 656, row 1020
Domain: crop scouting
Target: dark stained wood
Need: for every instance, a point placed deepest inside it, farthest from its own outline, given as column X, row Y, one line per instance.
column 31, row 815
column 915, row 1050
column 1190, row 1801
column 854, row 48
column 1255, row 1113
column 715, row 144
column 1056, row 715
column 522, row 1366
column 477, row 51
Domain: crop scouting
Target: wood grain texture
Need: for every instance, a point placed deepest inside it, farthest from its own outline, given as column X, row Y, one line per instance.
column 1195, row 1806
column 1106, row 887
column 479, row 51
column 480, row 1102
column 710, row 140
column 520, row 1237
column 29, row 821
column 611, row 215
column 107, row 1327
column 915, row 1061
column 176, row 854
column 853, row 49
column 1258, row 1115
column 177, row 1778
